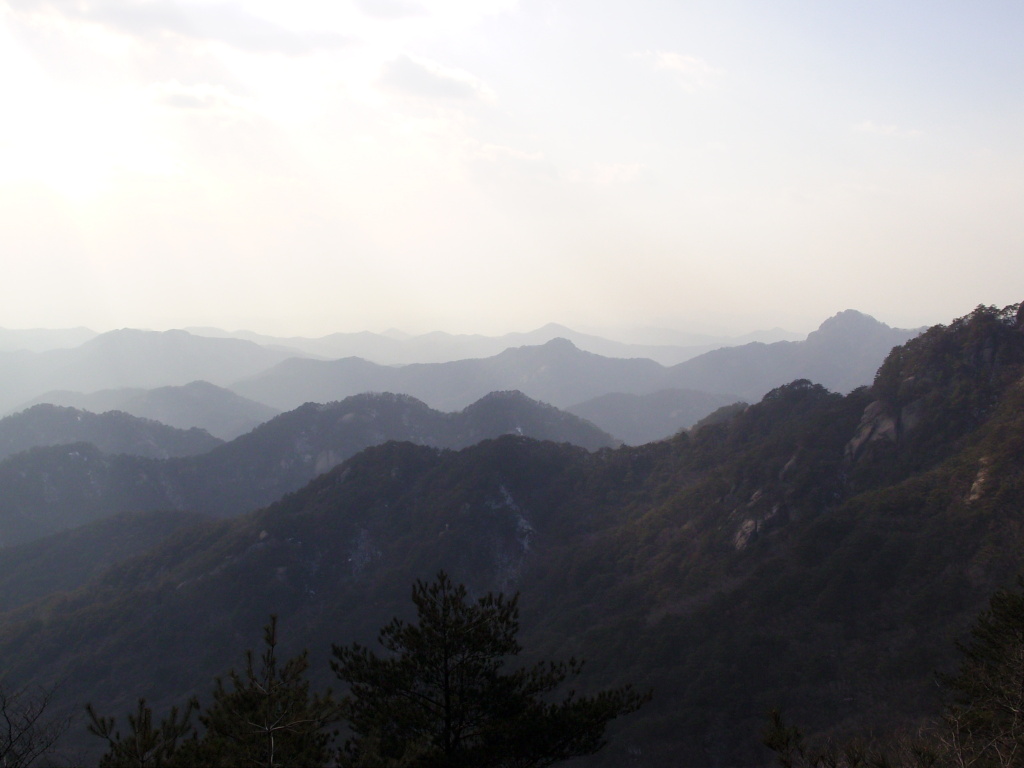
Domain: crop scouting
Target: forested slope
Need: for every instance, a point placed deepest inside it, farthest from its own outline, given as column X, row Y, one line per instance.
column 814, row 552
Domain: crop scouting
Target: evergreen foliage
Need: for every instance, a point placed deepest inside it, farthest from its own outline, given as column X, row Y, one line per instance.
column 143, row 745
column 898, row 751
column 263, row 717
column 441, row 695
column 985, row 720
column 266, row 716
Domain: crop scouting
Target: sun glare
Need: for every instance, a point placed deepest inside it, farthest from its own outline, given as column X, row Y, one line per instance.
column 78, row 155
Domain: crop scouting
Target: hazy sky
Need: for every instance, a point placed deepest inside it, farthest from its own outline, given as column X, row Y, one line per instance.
column 491, row 165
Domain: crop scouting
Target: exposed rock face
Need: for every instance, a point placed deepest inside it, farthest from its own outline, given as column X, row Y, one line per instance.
column 944, row 382
column 875, row 424
column 879, row 423
column 760, row 515
column 980, row 480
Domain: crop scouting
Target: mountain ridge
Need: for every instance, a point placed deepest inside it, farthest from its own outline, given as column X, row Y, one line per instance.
column 200, row 404
column 52, row 488
column 750, row 564
column 130, row 357
column 844, row 353
column 396, row 348
column 111, row 432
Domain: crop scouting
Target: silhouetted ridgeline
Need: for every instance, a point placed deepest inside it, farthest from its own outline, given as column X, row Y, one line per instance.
column 842, row 354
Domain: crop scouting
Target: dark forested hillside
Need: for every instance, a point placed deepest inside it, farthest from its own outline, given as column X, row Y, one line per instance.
column 111, row 432
column 67, row 560
column 814, row 552
column 55, row 488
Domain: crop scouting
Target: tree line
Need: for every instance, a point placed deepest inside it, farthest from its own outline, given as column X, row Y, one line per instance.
column 440, row 694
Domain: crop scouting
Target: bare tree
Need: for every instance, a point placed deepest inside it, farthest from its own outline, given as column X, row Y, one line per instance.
column 29, row 729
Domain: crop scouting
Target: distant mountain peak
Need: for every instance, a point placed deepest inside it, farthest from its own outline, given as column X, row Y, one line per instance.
column 851, row 320
column 504, row 395
column 560, row 342
column 556, row 348
column 849, row 325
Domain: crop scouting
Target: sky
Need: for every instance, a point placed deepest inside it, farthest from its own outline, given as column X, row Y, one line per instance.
column 311, row 166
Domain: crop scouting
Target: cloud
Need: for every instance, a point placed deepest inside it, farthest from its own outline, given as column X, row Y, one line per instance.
column 429, row 80
column 225, row 23
column 390, row 9
column 692, row 73
column 887, row 130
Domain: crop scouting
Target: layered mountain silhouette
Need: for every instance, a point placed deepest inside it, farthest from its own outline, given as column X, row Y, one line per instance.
column 200, row 404
column 815, row 552
column 43, row 339
column 178, row 377
column 556, row 373
column 668, row 348
column 842, row 354
column 53, row 488
column 131, row 358
column 111, row 432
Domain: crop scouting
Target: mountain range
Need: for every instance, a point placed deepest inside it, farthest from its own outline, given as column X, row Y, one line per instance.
column 402, row 349
column 111, row 432
column 842, row 354
column 198, row 404
column 179, row 378
column 815, row 551
column 130, row 358
column 60, row 486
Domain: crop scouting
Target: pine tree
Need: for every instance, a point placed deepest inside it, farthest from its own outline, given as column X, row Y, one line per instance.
column 266, row 716
column 985, row 720
column 442, row 697
column 262, row 717
column 143, row 746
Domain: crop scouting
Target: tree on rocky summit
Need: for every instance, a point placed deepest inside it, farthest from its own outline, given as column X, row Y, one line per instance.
column 441, row 696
